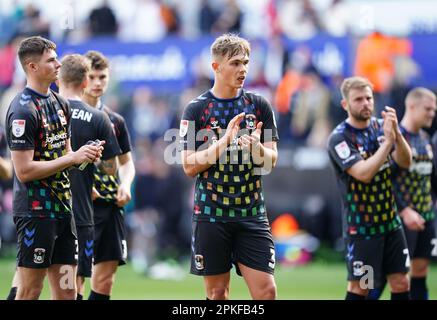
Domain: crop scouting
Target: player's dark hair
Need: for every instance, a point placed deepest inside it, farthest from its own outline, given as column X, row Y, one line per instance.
column 74, row 69
column 97, row 59
column 33, row 48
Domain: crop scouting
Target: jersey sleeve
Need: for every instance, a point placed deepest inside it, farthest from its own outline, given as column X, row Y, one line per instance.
column 124, row 140
column 269, row 128
column 105, row 132
column 343, row 153
column 188, row 128
column 21, row 125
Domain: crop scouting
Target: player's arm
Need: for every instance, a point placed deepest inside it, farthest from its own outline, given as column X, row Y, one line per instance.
column 126, row 174
column 365, row 170
column 27, row 169
column 194, row 162
column 402, row 154
column 108, row 166
column 5, row 169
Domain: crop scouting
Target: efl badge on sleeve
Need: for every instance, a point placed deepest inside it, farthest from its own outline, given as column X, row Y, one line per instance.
column 183, row 129
column 18, row 127
column 343, row 150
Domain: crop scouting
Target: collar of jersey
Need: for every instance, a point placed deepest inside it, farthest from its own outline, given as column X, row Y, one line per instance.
column 37, row 93
column 230, row 99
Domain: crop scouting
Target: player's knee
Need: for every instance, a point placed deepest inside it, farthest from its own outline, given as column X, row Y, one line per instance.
column 104, row 283
column 419, row 270
column 354, row 287
column 219, row 293
column 400, row 284
column 67, row 294
column 268, row 292
column 29, row 293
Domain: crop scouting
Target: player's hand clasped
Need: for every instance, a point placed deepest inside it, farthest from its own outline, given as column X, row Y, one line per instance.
column 412, row 219
column 253, row 141
column 89, row 153
column 233, row 127
column 391, row 127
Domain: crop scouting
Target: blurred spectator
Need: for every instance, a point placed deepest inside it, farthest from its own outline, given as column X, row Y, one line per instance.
column 298, row 19
column 144, row 22
column 229, row 19
column 207, row 17
column 8, row 55
column 170, row 17
column 33, row 24
column 375, row 58
column 102, row 21
column 336, row 19
column 310, row 123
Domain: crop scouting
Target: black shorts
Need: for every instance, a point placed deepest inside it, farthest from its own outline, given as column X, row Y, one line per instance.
column 217, row 245
column 422, row 244
column 109, row 233
column 380, row 256
column 43, row 242
column 85, row 235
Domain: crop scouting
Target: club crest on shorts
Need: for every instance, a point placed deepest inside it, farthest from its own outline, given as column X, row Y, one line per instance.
column 183, row 128
column 38, row 255
column 358, row 268
column 18, row 127
column 343, row 150
column 198, row 261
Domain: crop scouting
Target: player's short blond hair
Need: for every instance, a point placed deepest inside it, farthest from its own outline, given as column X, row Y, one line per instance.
column 354, row 83
column 74, row 70
column 417, row 94
column 229, row 45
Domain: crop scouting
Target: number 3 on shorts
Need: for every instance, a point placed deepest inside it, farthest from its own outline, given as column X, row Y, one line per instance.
column 407, row 260
column 434, row 248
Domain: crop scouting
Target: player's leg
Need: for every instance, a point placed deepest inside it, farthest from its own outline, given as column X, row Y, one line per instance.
column 63, row 269
column 217, row 286
column 419, row 272
column 31, row 283
column 14, row 286
column 103, row 278
column 85, row 235
column 62, row 280
column 80, row 285
column 110, row 250
column 254, row 253
column 426, row 249
column 211, row 256
column 36, row 239
column 364, row 259
column 397, row 264
column 261, row 284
